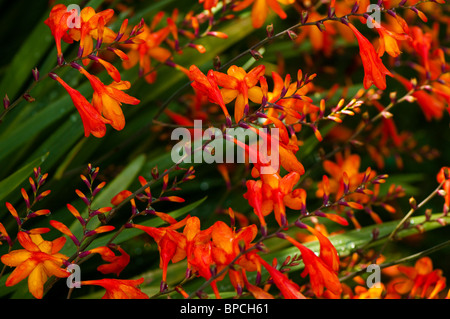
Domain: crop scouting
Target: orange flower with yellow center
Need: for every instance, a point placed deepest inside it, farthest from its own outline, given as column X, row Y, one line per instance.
column 88, row 29
column 240, row 85
column 38, row 261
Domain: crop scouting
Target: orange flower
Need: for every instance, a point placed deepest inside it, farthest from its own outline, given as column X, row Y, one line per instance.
column 288, row 288
column 431, row 106
column 119, row 289
column 374, row 70
column 260, row 9
column 171, row 244
column 227, row 244
column 93, row 122
column 344, row 171
column 388, row 41
column 107, row 99
column 293, row 108
column 421, row 43
column 4, row 235
column 254, row 197
column 257, row 292
column 207, row 86
column 420, row 281
column 328, row 252
column 88, row 29
column 57, row 22
column 116, row 263
column 274, row 193
column 240, row 85
column 198, row 251
column 149, row 49
column 320, row 269
column 39, row 260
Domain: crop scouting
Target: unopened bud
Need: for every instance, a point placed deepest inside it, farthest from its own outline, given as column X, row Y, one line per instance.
column 217, row 63
column 28, row 97
column 6, row 102
column 428, row 213
column 269, row 30
column 320, row 25
column 413, row 203
column 304, row 17
column 256, row 55
column 292, row 35
column 35, row 72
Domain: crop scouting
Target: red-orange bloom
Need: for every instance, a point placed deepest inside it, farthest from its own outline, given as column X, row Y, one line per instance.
column 39, row 260
column 320, row 269
column 240, row 85
column 88, row 29
column 93, row 122
column 274, row 193
column 107, row 99
column 171, row 244
column 374, row 70
column 57, row 22
column 207, row 85
column 150, row 48
column 198, row 251
column 431, row 106
column 119, row 289
column 388, row 41
column 420, row 281
column 227, row 244
column 115, row 263
column 288, row 288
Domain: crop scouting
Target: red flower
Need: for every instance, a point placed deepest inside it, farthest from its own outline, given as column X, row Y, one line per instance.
column 207, row 85
column 320, row 269
column 93, row 122
column 288, row 288
column 274, row 193
column 374, row 70
column 107, row 99
column 116, row 263
column 119, row 289
column 171, row 244
column 57, row 22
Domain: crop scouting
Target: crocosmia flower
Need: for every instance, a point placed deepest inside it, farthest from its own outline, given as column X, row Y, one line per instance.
column 107, row 99
column 374, row 70
column 119, row 289
column 39, row 260
column 240, row 85
column 93, row 122
column 57, row 22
